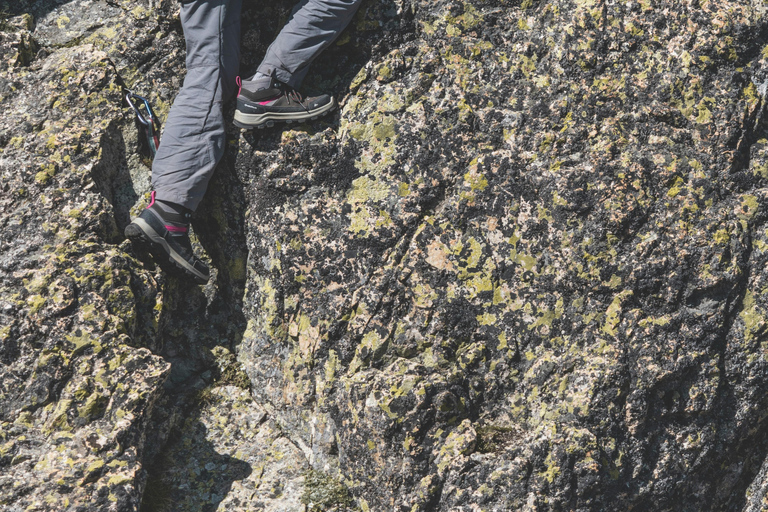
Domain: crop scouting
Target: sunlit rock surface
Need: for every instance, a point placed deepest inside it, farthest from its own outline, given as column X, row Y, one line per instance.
column 521, row 268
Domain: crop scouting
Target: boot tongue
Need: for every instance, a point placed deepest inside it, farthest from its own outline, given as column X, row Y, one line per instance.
column 174, row 215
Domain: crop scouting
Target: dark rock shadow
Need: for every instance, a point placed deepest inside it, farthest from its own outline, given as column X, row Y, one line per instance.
column 371, row 33
column 376, row 29
column 192, row 322
column 36, row 8
column 112, row 178
column 190, row 474
column 219, row 224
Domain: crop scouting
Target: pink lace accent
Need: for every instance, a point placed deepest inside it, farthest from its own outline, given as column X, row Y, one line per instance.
column 239, row 83
column 152, row 196
column 176, row 229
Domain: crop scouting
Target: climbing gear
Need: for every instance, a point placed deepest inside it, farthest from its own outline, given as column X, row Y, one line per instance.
column 259, row 108
column 148, row 120
column 166, row 236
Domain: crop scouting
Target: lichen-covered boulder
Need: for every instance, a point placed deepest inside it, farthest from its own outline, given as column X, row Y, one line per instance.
column 525, row 270
column 77, row 380
column 521, row 268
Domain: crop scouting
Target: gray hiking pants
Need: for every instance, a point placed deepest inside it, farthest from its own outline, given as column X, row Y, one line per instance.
column 194, row 136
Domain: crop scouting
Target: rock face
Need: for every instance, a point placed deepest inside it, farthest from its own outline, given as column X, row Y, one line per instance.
column 522, row 268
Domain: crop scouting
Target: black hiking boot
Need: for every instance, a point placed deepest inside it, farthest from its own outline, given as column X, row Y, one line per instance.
column 260, row 108
column 166, row 236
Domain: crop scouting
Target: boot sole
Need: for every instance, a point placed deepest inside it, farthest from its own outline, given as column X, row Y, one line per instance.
column 142, row 234
column 268, row 119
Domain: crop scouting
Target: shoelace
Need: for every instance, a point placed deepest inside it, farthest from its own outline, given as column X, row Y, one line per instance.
column 296, row 96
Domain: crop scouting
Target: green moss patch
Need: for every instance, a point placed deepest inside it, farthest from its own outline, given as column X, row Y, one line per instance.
column 322, row 492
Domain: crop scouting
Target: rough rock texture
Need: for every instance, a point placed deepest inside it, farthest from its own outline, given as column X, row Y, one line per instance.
column 229, row 456
column 521, row 269
column 88, row 333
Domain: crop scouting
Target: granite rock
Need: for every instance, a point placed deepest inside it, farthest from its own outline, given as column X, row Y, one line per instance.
column 521, row 268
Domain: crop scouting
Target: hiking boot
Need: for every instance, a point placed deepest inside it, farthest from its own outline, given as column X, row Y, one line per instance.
column 166, row 236
column 260, row 108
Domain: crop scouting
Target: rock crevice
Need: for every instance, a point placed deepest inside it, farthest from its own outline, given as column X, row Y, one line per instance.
column 520, row 269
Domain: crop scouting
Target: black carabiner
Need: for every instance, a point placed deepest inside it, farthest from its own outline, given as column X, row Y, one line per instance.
column 148, row 120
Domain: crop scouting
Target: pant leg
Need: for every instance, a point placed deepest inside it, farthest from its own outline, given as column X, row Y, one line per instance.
column 194, row 136
column 313, row 25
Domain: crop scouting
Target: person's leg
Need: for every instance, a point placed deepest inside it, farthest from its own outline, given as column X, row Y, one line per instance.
column 313, row 25
column 270, row 95
column 194, row 136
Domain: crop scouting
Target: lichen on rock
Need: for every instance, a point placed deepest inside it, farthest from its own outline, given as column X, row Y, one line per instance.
column 521, row 268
